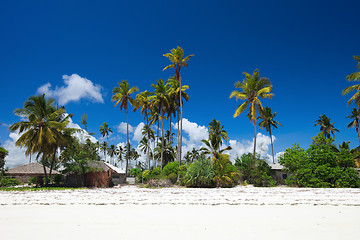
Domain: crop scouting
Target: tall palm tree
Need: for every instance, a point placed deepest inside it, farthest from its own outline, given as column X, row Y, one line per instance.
column 177, row 59
column 160, row 99
column 354, row 77
column 174, row 97
column 326, row 127
column 355, row 115
column 268, row 122
column 253, row 87
column 43, row 130
column 104, row 148
column 122, row 95
column 149, row 135
column 143, row 103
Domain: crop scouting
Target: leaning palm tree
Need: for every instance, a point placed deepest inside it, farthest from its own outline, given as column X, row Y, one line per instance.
column 177, row 59
column 122, row 95
column 268, row 122
column 326, row 127
column 253, row 87
column 43, row 131
column 355, row 115
column 354, row 77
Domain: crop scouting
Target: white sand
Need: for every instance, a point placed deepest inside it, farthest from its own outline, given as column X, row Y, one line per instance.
column 179, row 213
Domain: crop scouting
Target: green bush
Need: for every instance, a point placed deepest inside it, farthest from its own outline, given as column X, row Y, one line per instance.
column 33, row 180
column 225, row 174
column 136, row 172
column 58, row 179
column 321, row 166
column 199, row 174
column 170, row 168
column 255, row 171
column 172, row 177
column 8, row 182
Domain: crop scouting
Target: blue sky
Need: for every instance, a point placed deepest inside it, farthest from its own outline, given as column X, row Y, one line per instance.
column 304, row 47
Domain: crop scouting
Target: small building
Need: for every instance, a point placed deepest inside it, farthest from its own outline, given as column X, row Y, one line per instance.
column 102, row 174
column 278, row 173
column 24, row 172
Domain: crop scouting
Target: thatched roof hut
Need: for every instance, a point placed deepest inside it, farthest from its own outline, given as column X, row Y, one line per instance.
column 24, row 172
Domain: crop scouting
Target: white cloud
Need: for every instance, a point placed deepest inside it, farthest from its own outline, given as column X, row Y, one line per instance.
column 121, row 128
column 16, row 155
column 75, row 88
column 82, row 135
column 138, row 132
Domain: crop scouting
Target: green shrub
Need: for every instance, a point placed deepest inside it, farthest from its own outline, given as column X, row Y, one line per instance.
column 8, row 182
column 321, row 166
column 170, row 168
column 136, row 172
column 172, row 177
column 199, row 174
column 255, row 171
column 226, row 174
column 58, row 179
column 33, row 180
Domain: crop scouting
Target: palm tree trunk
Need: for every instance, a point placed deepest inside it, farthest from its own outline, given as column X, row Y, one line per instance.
column 255, row 139
column 148, row 141
column 357, row 131
column 170, row 128
column 272, row 146
column 127, row 143
column 181, row 117
column 52, row 164
column 162, row 143
column 43, row 163
column 178, row 136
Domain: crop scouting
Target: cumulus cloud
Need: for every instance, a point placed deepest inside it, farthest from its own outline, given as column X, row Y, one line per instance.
column 138, row 132
column 81, row 135
column 75, row 88
column 121, row 128
column 16, row 155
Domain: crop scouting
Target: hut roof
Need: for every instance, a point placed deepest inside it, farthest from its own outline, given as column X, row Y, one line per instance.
column 30, row 168
column 100, row 165
column 276, row 166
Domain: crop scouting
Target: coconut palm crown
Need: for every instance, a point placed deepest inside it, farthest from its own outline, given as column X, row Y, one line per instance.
column 354, row 77
column 326, row 127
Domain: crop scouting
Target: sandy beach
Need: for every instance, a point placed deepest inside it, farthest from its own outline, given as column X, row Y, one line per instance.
column 130, row 212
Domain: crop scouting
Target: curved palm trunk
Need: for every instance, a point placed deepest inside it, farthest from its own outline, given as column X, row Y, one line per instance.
column 148, row 141
column 181, row 117
column 52, row 164
column 255, row 139
column 170, row 128
column 127, row 143
column 272, row 146
column 43, row 163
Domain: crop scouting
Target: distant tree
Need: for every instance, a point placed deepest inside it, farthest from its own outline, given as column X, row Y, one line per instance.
column 355, row 115
column 3, row 154
column 326, row 127
column 105, row 130
column 268, row 122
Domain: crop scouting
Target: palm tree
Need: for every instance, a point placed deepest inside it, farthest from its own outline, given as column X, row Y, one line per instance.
column 268, row 122
column 44, row 130
column 354, row 77
column 177, row 59
column 355, row 115
column 174, row 104
column 122, row 95
column 253, row 88
column 143, row 102
column 326, row 127
column 104, row 148
column 120, row 152
column 160, row 99
column 105, row 130
column 148, row 135
column 112, row 152
column 216, row 135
